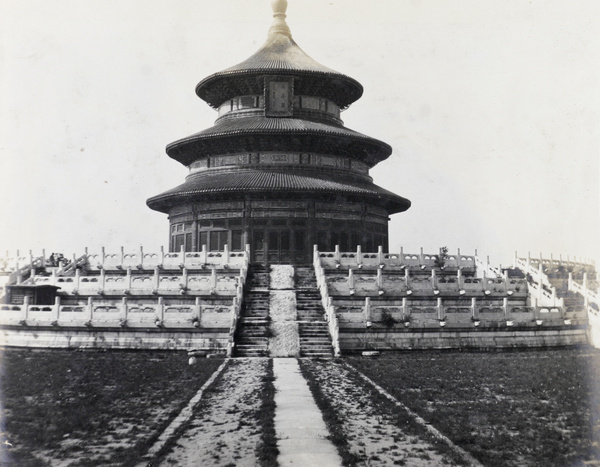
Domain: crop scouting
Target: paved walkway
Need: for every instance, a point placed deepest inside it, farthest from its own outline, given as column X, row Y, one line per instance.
column 301, row 431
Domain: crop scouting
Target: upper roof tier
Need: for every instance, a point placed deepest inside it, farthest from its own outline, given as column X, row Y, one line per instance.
column 279, row 55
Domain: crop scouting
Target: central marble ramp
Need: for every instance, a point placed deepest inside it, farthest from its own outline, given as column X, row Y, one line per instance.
column 301, row 431
column 285, row 340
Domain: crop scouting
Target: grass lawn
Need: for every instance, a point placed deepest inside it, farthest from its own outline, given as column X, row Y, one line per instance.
column 521, row 408
column 267, row 449
column 90, row 408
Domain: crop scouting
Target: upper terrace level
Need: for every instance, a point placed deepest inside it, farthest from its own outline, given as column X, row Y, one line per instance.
column 420, row 262
column 134, row 275
column 22, row 265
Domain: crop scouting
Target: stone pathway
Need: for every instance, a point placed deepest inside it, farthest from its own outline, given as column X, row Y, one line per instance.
column 373, row 435
column 224, row 431
column 301, row 431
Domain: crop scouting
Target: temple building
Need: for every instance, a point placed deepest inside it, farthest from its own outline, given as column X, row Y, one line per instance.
column 278, row 170
column 277, row 174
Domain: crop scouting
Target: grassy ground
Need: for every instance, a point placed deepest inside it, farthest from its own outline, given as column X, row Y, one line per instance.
column 89, row 408
column 534, row 408
column 330, row 415
column 525, row 408
column 230, row 425
column 267, row 449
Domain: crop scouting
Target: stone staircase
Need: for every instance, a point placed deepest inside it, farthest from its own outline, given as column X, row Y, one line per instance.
column 571, row 300
column 258, row 277
column 315, row 340
column 252, row 334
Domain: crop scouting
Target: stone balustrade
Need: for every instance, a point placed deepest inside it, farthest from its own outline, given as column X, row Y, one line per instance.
column 128, row 297
column 534, row 270
column 553, row 262
column 399, row 261
column 588, row 294
column 210, row 282
column 330, row 312
column 121, row 313
column 168, row 260
column 441, row 314
column 11, row 264
column 390, row 283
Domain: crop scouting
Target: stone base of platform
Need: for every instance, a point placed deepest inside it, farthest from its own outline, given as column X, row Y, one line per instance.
column 353, row 341
column 209, row 341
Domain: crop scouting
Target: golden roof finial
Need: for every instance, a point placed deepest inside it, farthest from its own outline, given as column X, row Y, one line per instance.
column 279, row 25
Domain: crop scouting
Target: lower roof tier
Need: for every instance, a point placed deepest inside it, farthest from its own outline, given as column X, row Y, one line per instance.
column 239, row 182
column 283, row 134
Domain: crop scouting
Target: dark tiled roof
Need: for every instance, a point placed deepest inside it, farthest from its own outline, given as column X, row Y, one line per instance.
column 269, row 181
column 186, row 150
column 280, row 55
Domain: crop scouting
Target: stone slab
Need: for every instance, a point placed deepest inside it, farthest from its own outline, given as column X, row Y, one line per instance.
column 301, row 431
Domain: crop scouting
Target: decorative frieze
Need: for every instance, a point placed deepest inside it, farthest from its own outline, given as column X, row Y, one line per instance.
column 338, row 216
column 262, row 214
column 359, row 167
column 199, row 165
column 222, row 206
column 279, row 204
column 330, row 161
column 221, row 215
column 176, row 210
column 181, row 218
column 276, row 158
column 348, row 207
column 377, row 210
column 236, row 159
column 377, row 220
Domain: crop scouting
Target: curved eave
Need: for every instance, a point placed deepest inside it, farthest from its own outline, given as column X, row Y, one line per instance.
column 237, row 134
column 339, row 88
column 238, row 183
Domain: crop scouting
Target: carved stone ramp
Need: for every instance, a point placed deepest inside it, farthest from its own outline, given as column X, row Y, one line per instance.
column 301, row 431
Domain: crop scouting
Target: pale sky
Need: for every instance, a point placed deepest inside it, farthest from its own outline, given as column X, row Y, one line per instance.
column 492, row 109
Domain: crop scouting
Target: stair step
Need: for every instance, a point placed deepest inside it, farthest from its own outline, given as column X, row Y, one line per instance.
column 257, row 353
column 244, row 334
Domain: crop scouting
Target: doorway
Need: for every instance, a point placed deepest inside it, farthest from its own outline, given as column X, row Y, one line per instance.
column 280, row 246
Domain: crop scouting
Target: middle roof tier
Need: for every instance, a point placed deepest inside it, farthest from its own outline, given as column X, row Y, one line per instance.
column 260, row 133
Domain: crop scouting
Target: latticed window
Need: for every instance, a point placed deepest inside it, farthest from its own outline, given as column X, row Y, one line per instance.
column 217, row 240
column 181, row 236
